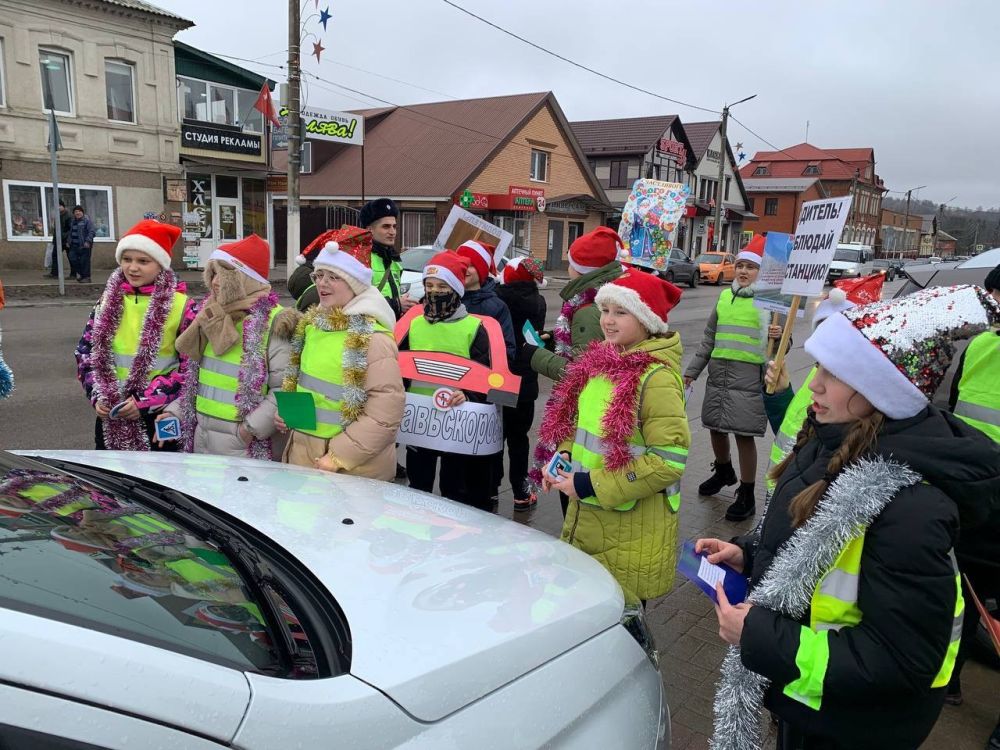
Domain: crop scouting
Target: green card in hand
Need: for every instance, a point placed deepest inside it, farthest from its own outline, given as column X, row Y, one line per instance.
column 297, row 408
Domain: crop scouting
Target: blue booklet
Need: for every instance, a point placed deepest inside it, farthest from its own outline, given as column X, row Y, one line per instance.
column 696, row 567
column 531, row 335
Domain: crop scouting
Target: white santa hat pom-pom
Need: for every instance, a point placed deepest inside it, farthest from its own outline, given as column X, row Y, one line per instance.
column 300, row 260
column 837, row 296
column 332, row 246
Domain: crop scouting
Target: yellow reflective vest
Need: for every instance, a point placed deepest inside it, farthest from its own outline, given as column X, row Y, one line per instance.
column 739, row 334
column 125, row 344
column 795, row 415
column 978, row 390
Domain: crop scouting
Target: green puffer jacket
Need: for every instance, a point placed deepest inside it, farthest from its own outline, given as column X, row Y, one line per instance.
column 639, row 546
column 586, row 324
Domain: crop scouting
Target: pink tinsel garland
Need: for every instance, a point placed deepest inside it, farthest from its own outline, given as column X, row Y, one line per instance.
column 625, row 371
column 128, row 434
column 562, row 332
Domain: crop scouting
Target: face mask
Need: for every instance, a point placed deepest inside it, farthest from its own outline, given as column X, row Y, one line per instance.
column 441, row 305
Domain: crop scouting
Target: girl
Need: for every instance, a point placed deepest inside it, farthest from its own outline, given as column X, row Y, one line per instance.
column 733, row 348
column 618, row 416
column 344, row 354
column 127, row 359
column 238, row 348
column 852, row 624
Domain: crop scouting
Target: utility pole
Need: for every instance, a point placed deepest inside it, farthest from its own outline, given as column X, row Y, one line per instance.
column 906, row 219
column 55, row 143
column 723, row 154
column 294, row 135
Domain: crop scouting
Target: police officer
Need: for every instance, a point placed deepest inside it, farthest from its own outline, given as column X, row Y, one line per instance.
column 379, row 217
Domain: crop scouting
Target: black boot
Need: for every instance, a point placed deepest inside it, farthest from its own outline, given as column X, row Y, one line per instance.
column 722, row 476
column 745, row 505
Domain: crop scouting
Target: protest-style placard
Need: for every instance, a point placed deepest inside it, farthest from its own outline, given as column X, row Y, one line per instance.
column 462, row 225
column 469, row 429
column 649, row 222
column 767, row 294
column 817, row 233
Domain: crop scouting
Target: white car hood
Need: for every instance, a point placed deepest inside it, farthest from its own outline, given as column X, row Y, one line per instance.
column 445, row 603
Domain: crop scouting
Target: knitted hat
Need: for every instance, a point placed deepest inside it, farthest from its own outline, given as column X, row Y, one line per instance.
column 377, row 209
column 896, row 353
column 450, row 268
column 754, row 251
column 645, row 295
column 350, row 260
column 480, row 256
column 152, row 237
column 594, row 249
column 525, row 268
column 251, row 256
column 848, row 294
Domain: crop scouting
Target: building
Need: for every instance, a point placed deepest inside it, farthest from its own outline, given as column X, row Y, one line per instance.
column 777, row 202
column 841, row 171
column 706, row 146
column 898, row 242
column 516, row 157
column 109, row 66
column 934, row 240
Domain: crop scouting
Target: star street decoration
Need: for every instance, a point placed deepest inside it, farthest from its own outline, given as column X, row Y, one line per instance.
column 318, row 50
column 324, row 16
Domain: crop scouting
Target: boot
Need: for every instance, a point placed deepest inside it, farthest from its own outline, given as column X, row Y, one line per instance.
column 722, row 476
column 745, row 505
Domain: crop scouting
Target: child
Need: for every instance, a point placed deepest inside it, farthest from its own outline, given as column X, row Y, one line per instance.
column 238, row 348
column 6, row 376
column 522, row 279
column 127, row 356
column 446, row 326
column 733, row 348
column 618, row 416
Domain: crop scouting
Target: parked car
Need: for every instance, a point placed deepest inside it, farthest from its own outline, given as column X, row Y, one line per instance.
column 163, row 600
column 971, row 271
column 888, row 266
column 715, row 268
column 850, row 261
column 681, row 269
column 414, row 259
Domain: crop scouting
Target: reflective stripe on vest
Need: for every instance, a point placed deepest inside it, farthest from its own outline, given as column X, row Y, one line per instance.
column 834, row 606
column 978, row 396
column 738, row 332
column 125, row 344
column 449, row 336
column 378, row 273
column 795, row 415
column 219, row 376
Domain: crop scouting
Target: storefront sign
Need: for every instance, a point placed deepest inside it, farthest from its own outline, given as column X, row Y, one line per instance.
column 471, row 201
column 174, row 190
column 713, row 155
column 207, row 138
column 277, row 183
column 667, row 146
column 329, row 125
column 566, row 207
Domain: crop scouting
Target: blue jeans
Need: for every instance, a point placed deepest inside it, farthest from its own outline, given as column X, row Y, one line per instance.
column 79, row 262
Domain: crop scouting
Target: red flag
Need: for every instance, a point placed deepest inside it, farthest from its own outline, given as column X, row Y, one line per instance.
column 265, row 106
column 863, row 290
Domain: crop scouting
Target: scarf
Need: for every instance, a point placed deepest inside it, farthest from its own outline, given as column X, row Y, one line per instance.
column 354, row 361
column 854, row 500
column 251, row 380
column 561, row 332
column 216, row 324
column 128, row 434
column 743, row 291
column 440, row 306
column 624, row 370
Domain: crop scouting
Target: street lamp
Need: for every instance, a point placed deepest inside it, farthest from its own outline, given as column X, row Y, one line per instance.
column 722, row 168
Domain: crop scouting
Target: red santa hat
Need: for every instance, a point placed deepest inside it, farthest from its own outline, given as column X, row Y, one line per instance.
column 754, row 251
column 525, row 268
column 645, row 295
column 449, row 267
column 480, row 256
column 350, row 259
column 152, row 237
column 251, row 256
column 594, row 249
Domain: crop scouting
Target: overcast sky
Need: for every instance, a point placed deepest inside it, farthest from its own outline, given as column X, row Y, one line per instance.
column 918, row 81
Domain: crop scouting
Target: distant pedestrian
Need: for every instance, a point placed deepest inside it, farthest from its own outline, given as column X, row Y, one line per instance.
column 733, row 348
column 6, row 376
column 522, row 280
column 618, row 416
column 127, row 359
column 81, row 244
column 65, row 223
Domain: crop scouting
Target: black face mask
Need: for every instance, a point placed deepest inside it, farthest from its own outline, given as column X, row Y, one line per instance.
column 440, row 306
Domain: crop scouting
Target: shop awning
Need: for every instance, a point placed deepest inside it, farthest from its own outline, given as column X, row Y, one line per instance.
column 230, row 165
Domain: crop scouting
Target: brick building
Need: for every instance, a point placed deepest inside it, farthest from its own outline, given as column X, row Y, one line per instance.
column 776, row 202
column 898, row 242
column 516, row 154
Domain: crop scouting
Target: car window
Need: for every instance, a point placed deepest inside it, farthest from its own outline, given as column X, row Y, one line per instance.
column 677, row 255
column 712, row 258
column 847, row 255
column 416, row 258
column 72, row 552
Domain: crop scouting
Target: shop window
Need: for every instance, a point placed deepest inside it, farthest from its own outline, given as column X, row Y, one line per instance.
column 213, row 102
column 619, row 174
column 223, row 105
column 574, row 231
column 28, row 205
column 520, row 228
column 3, row 85
column 57, row 81
column 418, row 229
column 193, row 97
column 539, row 165
column 226, row 186
column 254, row 208
column 771, row 207
column 119, row 80
column 198, row 209
column 248, row 118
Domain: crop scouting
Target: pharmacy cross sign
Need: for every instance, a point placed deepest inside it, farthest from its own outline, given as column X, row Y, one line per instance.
column 466, row 199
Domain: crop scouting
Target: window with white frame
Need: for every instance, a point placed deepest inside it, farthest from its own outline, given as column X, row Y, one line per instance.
column 56, row 71
column 3, row 84
column 28, row 207
column 539, row 165
column 119, row 81
column 213, row 102
column 419, row 228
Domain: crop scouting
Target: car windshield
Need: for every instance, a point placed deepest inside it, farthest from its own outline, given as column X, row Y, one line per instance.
column 848, row 255
column 712, row 258
column 73, row 552
column 416, row 258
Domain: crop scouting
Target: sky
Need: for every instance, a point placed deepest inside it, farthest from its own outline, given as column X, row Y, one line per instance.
column 917, row 80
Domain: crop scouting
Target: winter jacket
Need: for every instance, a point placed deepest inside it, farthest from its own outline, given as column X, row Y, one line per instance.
column 220, row 436
column 301, row 287
column 877, row 688
column 81, row 233
column 638, row 546
column 585, row 326
column 525, row 303
column 367, row 446
column 733, row 401
column 485, row 301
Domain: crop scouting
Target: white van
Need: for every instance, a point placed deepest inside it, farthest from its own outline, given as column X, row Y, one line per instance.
column 851, row 260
